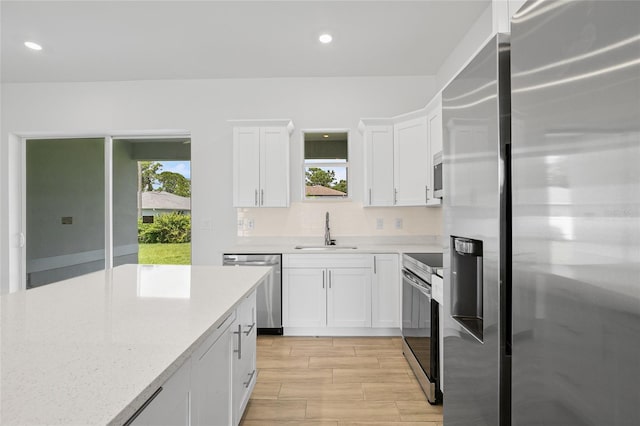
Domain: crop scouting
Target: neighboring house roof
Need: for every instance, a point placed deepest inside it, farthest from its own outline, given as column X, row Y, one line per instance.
column 165, row 201
column 323, row 190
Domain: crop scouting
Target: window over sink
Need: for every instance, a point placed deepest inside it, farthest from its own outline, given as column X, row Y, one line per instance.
column 326, row 164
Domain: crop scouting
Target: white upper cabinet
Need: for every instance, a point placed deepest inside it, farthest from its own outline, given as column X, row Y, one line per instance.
column 378, row 151
column 261, row 163
column 399, row 157
column 410, row 161
column 434, row 123
column 246, row 166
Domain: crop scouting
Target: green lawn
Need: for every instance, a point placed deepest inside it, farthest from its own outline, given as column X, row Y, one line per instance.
column 165, row 254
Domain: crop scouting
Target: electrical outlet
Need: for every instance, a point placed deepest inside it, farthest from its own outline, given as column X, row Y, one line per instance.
column 379, row 223
column 398, row 223
column 250, row 224
column 240, row 224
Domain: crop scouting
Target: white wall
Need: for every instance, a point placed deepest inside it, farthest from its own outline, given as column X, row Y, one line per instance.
column 202, row 107
column 468, row 46
column 496, row 18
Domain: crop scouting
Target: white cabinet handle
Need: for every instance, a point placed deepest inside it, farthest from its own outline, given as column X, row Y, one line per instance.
column 262, row 197
column 322, row 279
column 329, row 279
column 369, row 196
column 426, row 193
column 375, row 261
column 395, row 196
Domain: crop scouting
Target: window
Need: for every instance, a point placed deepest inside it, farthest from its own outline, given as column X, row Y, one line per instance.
column 326, row 166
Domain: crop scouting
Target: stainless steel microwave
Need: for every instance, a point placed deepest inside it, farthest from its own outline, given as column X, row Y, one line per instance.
column 437, row 175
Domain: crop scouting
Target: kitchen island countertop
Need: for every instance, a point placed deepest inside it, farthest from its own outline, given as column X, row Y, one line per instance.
column 92, row 349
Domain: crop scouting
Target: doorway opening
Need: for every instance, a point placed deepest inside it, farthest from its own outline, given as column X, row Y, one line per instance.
column 155, row 189
column 86, row 208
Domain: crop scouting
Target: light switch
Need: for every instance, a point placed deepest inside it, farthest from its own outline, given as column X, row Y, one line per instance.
column 379, row 223
column 250, row 224
column 398, row 223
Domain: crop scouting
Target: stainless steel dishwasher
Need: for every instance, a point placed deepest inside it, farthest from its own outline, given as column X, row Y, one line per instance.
column 269, row 294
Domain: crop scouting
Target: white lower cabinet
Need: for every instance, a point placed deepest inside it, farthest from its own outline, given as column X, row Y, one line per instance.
column 169, row 405
column 349, row 297
column 327, row 297
column 385, row 291
column 214, row 385
column 211, row 375
column 304, row 297
column 244, row 356
column 326, row 291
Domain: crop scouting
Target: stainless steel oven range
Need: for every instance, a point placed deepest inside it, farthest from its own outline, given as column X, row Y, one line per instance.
column 420, row 322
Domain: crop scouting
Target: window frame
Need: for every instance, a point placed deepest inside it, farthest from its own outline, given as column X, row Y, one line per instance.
column 346, row 165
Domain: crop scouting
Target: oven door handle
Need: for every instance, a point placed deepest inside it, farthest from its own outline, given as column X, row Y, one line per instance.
column 413, row 282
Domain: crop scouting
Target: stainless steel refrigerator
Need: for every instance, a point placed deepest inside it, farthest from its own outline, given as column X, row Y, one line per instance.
column 476, row 124
column 542, row 222
column 576, row 213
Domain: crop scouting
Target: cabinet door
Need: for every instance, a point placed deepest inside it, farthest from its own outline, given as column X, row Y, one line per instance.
column 244, row 360
column 434, row 119
column 385, row 291
column 304, row 299
column 170, row 404
column 378, row 145
column 211, row 376
column 349, row 297
column 246, row 166
column 274, row 167
column 411, row 164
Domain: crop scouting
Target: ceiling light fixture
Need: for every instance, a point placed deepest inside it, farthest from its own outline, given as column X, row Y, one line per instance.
column 325, row 38
column 325, row 136
column 33, row 46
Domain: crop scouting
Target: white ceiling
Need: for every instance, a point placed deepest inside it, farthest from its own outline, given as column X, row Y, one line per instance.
column 149, row 40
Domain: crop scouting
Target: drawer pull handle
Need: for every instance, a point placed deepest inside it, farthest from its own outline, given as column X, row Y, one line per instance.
column 248, row 332
column 246, row 384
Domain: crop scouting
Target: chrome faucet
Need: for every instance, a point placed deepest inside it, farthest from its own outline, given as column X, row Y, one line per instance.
column 327, row 232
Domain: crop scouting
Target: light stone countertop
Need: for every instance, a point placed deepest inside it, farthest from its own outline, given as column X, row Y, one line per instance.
column 92, row 349
column 364, row 245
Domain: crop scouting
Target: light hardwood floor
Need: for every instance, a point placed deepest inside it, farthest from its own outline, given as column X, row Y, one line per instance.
column 336, row 381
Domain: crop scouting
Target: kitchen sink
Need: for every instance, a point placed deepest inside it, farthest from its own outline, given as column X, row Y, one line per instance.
column 320, row 248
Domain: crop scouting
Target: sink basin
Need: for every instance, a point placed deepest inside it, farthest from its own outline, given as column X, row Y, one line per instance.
column 320, row 248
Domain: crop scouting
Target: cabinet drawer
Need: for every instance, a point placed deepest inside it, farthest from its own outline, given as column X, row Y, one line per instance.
column 327, row 260
column 215, row 335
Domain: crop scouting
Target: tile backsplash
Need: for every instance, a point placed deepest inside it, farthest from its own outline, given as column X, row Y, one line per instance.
column 348, row 219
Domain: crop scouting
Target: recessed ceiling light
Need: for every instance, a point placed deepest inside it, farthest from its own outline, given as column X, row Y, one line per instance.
column 325, row 136
column 325, row 38
column 32, row 45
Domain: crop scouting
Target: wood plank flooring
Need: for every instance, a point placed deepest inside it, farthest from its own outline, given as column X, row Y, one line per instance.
column 336, row 381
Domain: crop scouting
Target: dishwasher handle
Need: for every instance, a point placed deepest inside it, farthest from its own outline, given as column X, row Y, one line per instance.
column 249, row 263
